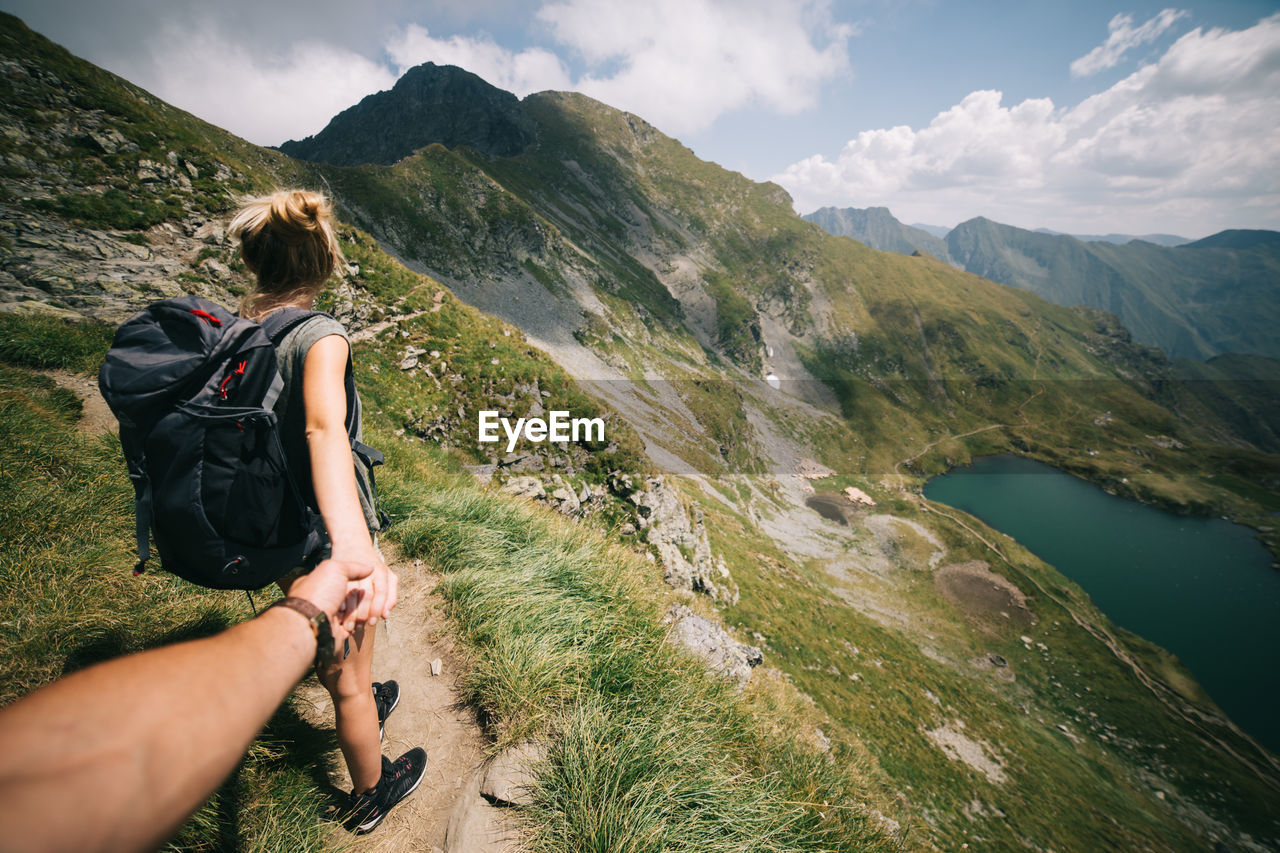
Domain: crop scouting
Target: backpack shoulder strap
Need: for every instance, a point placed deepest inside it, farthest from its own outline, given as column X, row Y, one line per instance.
column 281, row 322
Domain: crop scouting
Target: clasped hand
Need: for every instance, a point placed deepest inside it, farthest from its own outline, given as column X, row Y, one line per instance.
column 350, row 591
column 372, row 597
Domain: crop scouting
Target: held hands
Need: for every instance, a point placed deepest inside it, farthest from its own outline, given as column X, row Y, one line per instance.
column 332, row 586
column 376, row 592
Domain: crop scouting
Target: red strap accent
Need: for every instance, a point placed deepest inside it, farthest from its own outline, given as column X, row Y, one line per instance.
column 226, row 380
column 207, row 317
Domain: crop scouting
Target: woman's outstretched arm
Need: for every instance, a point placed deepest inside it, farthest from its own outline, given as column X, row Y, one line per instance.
column 333, row 474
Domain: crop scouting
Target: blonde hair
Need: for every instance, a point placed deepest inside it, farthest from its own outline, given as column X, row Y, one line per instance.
column 287, row 240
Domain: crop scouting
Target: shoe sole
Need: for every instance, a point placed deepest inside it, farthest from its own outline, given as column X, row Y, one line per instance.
column 363, row 828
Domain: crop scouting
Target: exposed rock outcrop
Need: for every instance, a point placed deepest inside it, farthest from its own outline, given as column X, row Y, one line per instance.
column 710, row 641
column 676, row 532
column 508, row 777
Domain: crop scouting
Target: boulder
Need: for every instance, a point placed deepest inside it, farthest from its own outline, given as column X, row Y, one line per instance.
column 565, row 501
column 211, row 232
column 409, row 360
column 675, row 568
column 509, row 777
column 525, row 487
column 478, row 826
column 858, row 496
column 215, row 269
column 709, row 641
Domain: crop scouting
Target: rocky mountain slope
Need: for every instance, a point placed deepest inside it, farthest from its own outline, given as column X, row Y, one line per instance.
column 791, row 389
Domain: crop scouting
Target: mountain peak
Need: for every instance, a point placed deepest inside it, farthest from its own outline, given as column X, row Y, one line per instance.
column 879, row 229
column 429, row 104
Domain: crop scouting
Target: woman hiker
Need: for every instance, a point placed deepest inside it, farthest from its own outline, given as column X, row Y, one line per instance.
column 287, row 241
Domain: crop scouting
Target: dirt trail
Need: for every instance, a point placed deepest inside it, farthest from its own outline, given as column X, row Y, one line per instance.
column 96, row 416
column 431, row 714
column 446, row 813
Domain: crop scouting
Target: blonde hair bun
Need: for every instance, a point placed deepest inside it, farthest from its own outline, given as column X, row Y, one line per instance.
column 287, row 239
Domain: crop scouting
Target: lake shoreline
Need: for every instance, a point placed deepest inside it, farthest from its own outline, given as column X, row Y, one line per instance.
column 1264, row 534
column 1192, row 585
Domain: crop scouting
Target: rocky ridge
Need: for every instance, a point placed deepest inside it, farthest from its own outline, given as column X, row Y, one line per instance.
column 429, row 104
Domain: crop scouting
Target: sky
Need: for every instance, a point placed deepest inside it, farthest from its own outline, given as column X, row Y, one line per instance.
column 1092, row 116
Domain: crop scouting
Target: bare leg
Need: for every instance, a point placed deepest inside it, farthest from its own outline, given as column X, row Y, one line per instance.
column 350, row 683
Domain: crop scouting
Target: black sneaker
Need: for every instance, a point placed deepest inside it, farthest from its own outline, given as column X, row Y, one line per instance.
column 386, row 695
column 399, row 779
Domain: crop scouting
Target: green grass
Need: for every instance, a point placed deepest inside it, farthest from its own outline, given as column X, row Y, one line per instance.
column 443, row 407
column 737, row 326
column 821, row 630
column 51, row 342
column 648, row 752
column 112, row 209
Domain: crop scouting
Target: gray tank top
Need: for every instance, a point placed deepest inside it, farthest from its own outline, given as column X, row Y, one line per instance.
column 291, row 355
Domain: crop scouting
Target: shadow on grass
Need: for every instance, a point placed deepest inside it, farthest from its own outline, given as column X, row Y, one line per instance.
column 305, row 747
column 106, row 643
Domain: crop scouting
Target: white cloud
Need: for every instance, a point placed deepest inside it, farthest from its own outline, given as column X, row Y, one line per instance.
column 682, row 64
column 263, row 98
column 1123, row 37
column 530, row 70
column 1186, row 143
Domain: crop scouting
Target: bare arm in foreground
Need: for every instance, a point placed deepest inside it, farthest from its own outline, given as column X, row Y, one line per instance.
column 117, row 756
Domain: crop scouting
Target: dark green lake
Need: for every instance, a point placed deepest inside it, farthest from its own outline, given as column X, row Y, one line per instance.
column 1202, row 588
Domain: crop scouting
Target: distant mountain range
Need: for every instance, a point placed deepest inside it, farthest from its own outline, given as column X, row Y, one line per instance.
column 880, row 229
column 1194, row 300
column 1158, row 239
column 935, row 230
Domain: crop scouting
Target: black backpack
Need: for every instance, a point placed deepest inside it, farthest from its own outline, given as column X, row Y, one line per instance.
column 193, row 386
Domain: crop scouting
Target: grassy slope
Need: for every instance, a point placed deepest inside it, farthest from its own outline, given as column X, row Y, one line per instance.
column 648, row 754
column 1131, row 744
column 564, row 630
column 917, row 350
column 70, row 599
column 989, row 355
